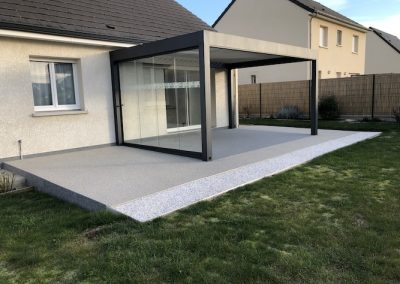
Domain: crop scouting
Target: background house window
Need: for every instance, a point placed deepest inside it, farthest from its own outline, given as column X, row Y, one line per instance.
column 338, row 74
column 253, row 79
column 339, row 38
column 355, row 44
column 54, row 85
column 323, row 38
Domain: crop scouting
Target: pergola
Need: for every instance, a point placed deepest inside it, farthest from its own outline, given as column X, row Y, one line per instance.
column 213, row 50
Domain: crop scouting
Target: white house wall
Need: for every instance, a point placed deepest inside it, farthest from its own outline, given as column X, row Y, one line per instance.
column 380, row 57
column 94, row 125
column 53, row 133
column 288, row 24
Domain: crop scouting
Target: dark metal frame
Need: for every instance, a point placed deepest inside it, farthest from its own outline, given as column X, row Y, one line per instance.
column 199, row 41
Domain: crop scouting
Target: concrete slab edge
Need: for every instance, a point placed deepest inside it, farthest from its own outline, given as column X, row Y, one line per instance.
column 176, row 198
column 57, row 191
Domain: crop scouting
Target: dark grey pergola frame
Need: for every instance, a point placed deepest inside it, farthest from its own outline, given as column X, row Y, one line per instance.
column 204, row 41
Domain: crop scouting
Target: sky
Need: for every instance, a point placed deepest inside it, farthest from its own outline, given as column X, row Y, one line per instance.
column 380, row 14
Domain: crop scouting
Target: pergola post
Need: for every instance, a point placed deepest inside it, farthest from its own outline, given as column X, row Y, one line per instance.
column 205, row 100
column 231, row 106
column 119, row 136
column 314, row 98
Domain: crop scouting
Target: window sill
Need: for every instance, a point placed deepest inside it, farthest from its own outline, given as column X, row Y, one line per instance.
column 355, row 52
column 58, row 113
column 325, row 47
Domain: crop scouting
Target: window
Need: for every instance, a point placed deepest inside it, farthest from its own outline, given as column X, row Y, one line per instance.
column 355, row 44
column 338, row 74
column 253, row 79
column 323, row 38
column 54, row 85
column 339, row 38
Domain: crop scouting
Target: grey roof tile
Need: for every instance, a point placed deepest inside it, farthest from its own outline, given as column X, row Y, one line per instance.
column 130, row 21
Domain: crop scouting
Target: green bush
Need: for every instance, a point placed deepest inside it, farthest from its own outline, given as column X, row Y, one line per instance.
column 289, row 112
column 329, row 108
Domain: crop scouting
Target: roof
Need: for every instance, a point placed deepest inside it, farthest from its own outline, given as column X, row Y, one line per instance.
column 312, row 7
column 391, row 40
column 127, row 21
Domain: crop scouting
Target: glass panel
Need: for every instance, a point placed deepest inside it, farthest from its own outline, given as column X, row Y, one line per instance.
column 65, row 83
column 161, row 101
column 40, row 74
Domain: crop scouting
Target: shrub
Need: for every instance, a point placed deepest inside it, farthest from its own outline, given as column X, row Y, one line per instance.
column 6, row 182
column 289, row 112
column 396, row 114
column 329, row 108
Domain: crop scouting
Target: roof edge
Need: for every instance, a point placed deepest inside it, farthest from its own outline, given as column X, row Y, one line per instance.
column 223, row 13
column 376, row 31
column 358, row 26
column 55, row 32
column 299, row 4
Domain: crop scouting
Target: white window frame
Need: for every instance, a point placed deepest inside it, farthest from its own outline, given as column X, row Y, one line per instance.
column 53, row 85
column 323, row 36
column 356, row 39
column 339, row 38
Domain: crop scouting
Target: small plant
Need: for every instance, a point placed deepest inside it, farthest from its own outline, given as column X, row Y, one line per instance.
column 396, row 114
column 6, row 182
column 329, row 108
column 289, row 112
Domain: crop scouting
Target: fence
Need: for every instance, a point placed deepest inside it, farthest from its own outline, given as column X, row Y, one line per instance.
column 362, row 96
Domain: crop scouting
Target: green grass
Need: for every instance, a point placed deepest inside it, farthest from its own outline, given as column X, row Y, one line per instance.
column 334, row 220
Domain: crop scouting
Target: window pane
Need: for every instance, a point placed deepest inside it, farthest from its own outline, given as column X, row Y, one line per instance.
column 40, row 74
column 161, row 101
column 65, row 83
column 339, row 37
column 323, row 41
column 355, row 43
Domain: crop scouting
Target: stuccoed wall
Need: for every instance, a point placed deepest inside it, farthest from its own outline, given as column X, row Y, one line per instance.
column 53, row 133
column 270, row 20
column 380, row 57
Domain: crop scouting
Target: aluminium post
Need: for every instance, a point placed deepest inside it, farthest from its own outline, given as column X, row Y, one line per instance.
column 314, row 98
column 205, row 98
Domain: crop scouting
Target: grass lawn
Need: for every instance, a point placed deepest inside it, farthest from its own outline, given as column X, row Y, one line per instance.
column 334, row 220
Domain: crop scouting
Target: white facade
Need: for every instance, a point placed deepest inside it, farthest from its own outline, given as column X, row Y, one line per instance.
column 47, row 132
column 381, row 58
column 91, row 125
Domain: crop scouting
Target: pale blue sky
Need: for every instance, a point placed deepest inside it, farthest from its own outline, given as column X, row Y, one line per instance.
column 383, row 14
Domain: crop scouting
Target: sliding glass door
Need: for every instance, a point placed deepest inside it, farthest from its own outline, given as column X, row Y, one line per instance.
column 183, row 100
column 161, row 101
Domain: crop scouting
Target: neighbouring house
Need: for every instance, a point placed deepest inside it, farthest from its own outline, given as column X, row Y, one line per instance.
column 340, row 41
column 382, row 53
column 146, row 74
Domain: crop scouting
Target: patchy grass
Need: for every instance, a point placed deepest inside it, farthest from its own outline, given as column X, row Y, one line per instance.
column 334, row 220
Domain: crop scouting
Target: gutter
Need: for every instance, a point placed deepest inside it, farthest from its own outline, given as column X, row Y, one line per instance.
column 61, row 39
column 336, row 20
